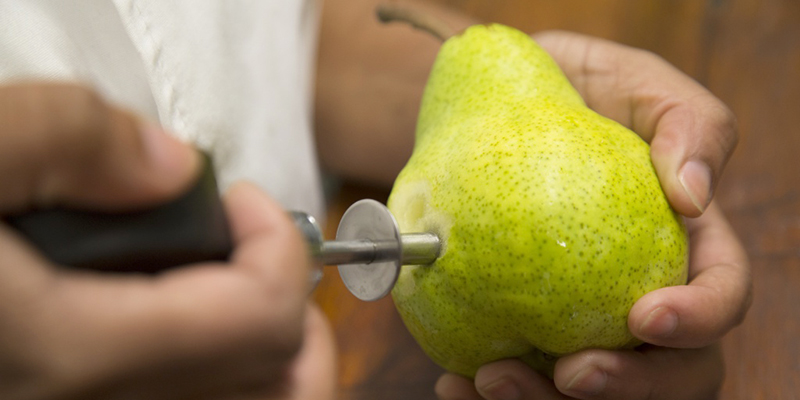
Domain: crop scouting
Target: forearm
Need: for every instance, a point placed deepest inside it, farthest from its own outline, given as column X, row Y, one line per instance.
column 370, row 79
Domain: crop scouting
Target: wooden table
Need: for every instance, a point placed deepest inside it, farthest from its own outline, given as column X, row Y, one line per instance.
column 747, row 52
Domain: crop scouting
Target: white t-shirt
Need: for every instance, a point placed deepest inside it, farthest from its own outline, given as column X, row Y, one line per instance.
column 234, row 77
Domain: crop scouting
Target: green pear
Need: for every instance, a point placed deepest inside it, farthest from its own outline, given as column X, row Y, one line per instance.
column 552, row 217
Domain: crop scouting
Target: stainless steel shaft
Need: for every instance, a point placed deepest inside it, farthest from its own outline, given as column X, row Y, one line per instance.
column 415, row 249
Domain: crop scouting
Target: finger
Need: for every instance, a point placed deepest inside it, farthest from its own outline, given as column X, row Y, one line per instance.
column 66, row 145
column 313, row 374
column 260, row 225
column 450, row 386
column 692, row 133
column 512, row 379
column 655, row 373
column 269, row 270
column 719, row 279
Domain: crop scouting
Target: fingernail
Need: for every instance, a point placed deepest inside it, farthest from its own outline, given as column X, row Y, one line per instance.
column 661, row 323
column 171, row 156
column 589, row 381
column 695, row 177
column 502, row 389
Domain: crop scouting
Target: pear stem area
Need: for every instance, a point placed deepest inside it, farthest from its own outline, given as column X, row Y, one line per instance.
column 395, row 13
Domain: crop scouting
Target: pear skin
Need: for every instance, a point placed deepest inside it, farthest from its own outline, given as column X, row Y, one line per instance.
column 552, row 217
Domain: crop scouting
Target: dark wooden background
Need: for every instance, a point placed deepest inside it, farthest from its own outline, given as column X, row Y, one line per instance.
column 747, row 52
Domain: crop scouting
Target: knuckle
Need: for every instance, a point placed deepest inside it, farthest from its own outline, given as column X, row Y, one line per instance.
column 58, row 126
column 288, row 291
column 289, row 239
column 62, row 116
column 726, row 123
column 297, row 242
column 644, row 55
column 635, row 58
column 256, row 322
column 283, row 340
column 279, row 336
column 82, row 111
column 718, row 125
column 746, row 302
column 650, row 56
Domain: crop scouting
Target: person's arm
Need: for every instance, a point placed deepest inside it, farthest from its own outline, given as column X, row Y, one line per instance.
column 370, row 79
column 213, row 330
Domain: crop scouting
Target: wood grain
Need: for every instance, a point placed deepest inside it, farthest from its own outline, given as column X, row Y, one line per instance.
column 747, row 52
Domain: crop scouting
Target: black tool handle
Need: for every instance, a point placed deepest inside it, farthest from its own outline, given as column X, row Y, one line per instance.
column 189, row 229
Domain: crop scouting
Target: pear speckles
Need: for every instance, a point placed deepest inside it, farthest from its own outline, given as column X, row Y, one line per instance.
column 553, row 217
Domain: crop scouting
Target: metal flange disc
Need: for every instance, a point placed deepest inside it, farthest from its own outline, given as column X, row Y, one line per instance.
column 371, row 220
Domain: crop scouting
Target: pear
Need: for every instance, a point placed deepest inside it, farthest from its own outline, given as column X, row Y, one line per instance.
column 552, row 217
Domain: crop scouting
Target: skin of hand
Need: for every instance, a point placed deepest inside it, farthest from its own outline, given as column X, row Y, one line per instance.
column 692, row 134
column 243, row 329
column 369, row 82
